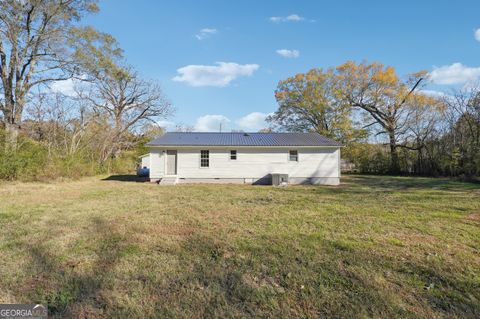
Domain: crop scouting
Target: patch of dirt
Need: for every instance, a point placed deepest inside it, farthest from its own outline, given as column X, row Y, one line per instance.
column 85, row 310
column 260, row 200
column 475, row 217
column 172, row 230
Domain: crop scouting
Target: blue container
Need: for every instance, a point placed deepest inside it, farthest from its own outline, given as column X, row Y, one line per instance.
column 143, row 172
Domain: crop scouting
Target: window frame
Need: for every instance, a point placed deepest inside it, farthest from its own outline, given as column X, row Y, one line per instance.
column 231, row 154
column 290, row 156
column 204, row 158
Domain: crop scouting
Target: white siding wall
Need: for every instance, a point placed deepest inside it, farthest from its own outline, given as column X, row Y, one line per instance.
column 146, row 161
column 252, row 163
column 157, row 164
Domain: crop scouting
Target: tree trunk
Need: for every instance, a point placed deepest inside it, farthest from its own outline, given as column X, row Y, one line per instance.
column 394, row 162
column 11, row 137
column 12, row 117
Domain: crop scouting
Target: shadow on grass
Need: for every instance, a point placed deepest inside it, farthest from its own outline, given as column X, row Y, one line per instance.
column 126, row 178
column 217, row 283
column 68, row 292
column 405, row 183
column 214, row 282
column 268, row 277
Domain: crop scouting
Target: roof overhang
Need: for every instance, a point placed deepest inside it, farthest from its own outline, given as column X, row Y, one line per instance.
column 242, row 146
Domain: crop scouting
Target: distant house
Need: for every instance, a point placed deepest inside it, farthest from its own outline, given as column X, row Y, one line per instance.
column 251, row 158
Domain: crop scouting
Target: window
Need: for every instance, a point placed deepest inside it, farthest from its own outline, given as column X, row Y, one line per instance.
column 204, row 158
column 293, row 156
column 233, row 155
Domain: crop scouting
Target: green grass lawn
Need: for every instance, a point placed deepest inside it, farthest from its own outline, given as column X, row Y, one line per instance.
column 372, row 247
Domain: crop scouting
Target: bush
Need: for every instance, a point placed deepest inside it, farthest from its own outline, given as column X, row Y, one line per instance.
column 33, row 161
column 368, row 158
column 27, row 161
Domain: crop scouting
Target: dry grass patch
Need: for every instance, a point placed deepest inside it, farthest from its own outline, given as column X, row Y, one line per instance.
column 373, row 247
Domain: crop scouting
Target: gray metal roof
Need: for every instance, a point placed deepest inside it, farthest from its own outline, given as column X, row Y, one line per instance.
column 242, row 139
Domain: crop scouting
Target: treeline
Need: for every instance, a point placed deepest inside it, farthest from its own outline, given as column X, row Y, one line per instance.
column 70, row 104
column 71, row 147
column 387, row 125
column 106, row 111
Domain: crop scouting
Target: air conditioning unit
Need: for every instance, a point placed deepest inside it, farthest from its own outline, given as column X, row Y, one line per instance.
column 279, row 179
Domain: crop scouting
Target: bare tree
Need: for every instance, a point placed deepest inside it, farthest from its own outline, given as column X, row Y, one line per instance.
column 128, row 102
column 38, row 45
column 423, row 125
column 464, row 128
column 59, row 121
column 180, row 127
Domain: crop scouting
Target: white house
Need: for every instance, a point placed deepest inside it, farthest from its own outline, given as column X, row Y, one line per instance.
column 144, row 161
column 252, row 158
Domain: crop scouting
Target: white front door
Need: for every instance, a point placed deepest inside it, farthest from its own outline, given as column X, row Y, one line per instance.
column 171, row 162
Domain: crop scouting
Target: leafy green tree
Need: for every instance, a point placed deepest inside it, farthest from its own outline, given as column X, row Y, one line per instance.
column 310, row 102
column 389, row 101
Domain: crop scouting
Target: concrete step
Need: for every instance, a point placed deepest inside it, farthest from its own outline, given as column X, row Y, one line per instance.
column 168, row 181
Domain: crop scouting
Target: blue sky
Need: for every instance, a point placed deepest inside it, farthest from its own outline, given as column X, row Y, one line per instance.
column 180, row 44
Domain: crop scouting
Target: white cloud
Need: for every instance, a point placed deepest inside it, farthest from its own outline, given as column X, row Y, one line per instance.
column 211, row 123
column 477, row 34
column 205, row 33
column 275, row 19
column 254, row 121
column 167, row 125
column 66, row 87
column 437, row 94
column 433, row 93
column 218, row 75
column 294, row 17
column 288, row 53
column 455, row 73
column 251, row 122
column 289, row 18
